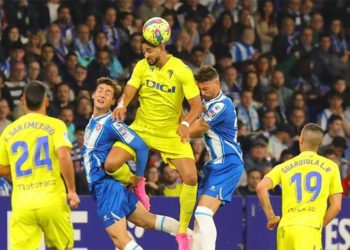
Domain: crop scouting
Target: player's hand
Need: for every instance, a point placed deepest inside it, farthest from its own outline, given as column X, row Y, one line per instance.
column 273, row 222
column 184, row 132
column 119, row 113
column 73, row 199
column 134, row 181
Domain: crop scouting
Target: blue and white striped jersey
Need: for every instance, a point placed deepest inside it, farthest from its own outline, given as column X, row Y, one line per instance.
column 100, row 135
column 221, row 138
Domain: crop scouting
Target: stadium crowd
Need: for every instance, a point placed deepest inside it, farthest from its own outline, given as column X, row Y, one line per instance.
column 283, row 63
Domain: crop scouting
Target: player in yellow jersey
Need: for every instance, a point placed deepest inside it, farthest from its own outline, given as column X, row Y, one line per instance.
column 36, row 150
column 162, row 82
column 308, row 182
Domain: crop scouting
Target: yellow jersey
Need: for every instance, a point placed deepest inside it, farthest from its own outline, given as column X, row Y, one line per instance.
column 29, row 146
column 307, row 181
column 162, row 91
column 173, row 192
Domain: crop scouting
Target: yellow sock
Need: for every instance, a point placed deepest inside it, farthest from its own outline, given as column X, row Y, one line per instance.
column 187, row 202
column 123, row 174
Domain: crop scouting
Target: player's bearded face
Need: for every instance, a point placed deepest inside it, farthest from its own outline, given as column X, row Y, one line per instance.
column 152, row 54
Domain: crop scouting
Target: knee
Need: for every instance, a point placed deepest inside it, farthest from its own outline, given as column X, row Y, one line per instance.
column 191, row 179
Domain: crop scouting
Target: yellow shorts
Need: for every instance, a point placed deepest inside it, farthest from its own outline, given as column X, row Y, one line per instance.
column 299, row 238
column 26, row 228
column 166, row 141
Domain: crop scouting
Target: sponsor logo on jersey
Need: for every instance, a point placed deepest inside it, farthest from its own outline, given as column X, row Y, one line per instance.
column 160, row 86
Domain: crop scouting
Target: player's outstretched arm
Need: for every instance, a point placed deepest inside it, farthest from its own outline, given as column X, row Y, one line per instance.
column 128, row 94
column 262, row 191
column 67, row 171
column 195, row 111
column 198, row 127
column 334, row 208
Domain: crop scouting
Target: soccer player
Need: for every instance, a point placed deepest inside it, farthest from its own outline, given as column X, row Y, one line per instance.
column 36, row 149
column 308, row 182
column 115, row 202
column 162, row 82
column 223, row 171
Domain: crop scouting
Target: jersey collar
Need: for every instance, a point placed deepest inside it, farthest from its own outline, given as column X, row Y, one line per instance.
column 214, row 99
column 97, row 118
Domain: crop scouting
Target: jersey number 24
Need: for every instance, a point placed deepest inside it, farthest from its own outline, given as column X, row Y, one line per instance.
column 41, row 146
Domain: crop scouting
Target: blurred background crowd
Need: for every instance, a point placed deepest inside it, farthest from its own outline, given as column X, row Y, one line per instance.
column 283, row 63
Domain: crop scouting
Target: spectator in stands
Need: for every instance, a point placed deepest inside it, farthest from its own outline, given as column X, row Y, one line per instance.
column 80, row 77
column 334, row 128
column 179, row 48
column 293, row 11
column 192, row 8
column 47, row 55
column 84, row 46
column 48, row 12
column 67, row 116
column 5, row 91
column 91, row 22
column 339, row 43
column 171, row 187
column 98, row 68
column 114, row 65
column 305, row 45
column 346, row 183
column 258, row 156
column 126, row 27
column 297, row 101
column 197, row 59
column 33, row 46
column 230, row 85
column 80, row 179
column 297, row 120
column 83, row 112
column 4, row 113
column 335, row 107
column 266, row 25
column 230, row 6
column 67, row 71
column 21, row 13
column 271, row 103
column 283, row 43
column 16, row 82
column 206, row 24
column 251, row 82
column 264, row 69
column 268, row 123
column 338, row 87
column 316, row 24
column 280, row 140
column 254, row 176
column 16, row 54
column 243, row 50
column 52, row 78
column 285, row 156
column 284, row 93
column 33, row 71
column 131, row 51
column 149, row 9
column 223, row 60
column 55, row 39
column 246, row 111
column 339, row 145
column 223, row 32
column 206, row 43
column 10, row 37
column 109, row 28
column 65, row 23
column 63, row 98
column 153, row 186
